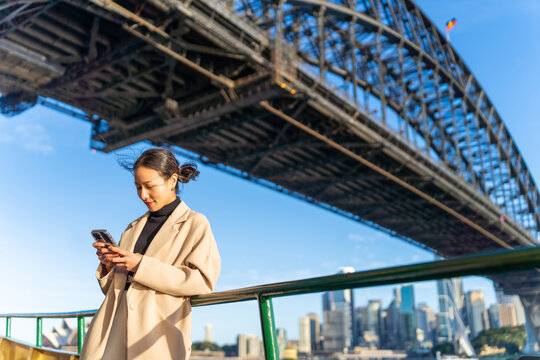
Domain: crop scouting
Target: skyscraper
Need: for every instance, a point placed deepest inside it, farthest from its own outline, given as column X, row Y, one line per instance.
column 249, row 346
column 408, row 314
column 342, row 300
column 392, row 336
column 315, row 331
column 453, row 319
column 360, row 319
column 476, row 310
column 504, row 299
column 426, row 321
column 304, row 343
column 446, row 313
column 453, row 316
column 334, row 331
column 507, row 315
column 493, row 315
column 281, row 334
column 372, row 332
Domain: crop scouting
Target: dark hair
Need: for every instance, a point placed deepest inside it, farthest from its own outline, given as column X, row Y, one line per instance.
column 164, row 162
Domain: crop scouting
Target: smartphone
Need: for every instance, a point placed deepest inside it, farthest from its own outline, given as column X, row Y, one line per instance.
column 103, row 236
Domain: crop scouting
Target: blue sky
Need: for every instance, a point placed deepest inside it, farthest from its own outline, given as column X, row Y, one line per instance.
column 55, row 190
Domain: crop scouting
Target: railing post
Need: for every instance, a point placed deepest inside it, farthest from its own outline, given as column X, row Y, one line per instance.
column 8, row 327
column 39, row 332
column 268, row 328
column 80, row 329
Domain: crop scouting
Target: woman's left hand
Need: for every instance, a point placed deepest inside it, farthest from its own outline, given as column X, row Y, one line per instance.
column 126, row 259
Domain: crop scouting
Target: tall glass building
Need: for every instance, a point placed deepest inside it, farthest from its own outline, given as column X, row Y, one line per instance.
column 453, row 318
column 392, row 329
column 342, row 300
column 408, row 314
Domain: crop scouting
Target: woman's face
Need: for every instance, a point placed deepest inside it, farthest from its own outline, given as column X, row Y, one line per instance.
column 154, row 190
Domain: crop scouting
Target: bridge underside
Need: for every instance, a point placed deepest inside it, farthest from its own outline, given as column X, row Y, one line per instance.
column 185, row 87
column 265, row 146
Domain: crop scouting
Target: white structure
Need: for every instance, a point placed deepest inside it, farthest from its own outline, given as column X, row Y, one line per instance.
column 476, row 310
column 425, row 321
column 249, row 346
column 304, row 344
column 281, row 340
column 60, row 336
column 208, row 333
column 372, row 332
column 63, row 337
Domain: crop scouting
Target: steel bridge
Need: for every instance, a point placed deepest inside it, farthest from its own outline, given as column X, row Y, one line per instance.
column 360, row 107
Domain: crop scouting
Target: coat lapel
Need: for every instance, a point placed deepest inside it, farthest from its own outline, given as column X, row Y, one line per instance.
column 129, row 238
column 133, row 233
column 168, row 230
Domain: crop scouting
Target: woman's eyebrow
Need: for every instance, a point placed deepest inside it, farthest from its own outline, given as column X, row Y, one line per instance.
column 144, row 183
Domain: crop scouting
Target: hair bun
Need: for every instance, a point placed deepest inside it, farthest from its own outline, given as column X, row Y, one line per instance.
column 187, row 172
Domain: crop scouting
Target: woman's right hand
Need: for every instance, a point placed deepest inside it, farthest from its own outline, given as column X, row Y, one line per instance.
column 104, row 254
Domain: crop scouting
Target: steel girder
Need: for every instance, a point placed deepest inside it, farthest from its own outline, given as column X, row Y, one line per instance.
column 262, row 88
column 389, row 50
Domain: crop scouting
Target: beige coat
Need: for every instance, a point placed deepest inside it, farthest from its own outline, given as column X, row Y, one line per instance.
column 181, row 261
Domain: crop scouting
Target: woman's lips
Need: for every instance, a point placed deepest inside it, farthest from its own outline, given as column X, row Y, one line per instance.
column 148, row 202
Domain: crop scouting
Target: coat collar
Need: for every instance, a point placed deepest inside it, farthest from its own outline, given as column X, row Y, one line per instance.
column 179, row 215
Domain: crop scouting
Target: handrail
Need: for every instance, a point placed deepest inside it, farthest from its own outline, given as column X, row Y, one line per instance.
column 60, row 315
column 483, row 264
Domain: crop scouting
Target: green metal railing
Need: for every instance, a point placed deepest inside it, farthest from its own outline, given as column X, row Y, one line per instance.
column 80, row 315
column 484, row 264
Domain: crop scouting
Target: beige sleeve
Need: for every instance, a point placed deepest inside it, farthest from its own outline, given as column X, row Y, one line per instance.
column 104, row 279
column 198, row 276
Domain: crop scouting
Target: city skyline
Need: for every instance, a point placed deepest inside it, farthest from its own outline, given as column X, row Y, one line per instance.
column 428, row 330
column 321, row 337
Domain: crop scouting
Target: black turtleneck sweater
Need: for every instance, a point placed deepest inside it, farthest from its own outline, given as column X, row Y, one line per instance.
column 153, row 224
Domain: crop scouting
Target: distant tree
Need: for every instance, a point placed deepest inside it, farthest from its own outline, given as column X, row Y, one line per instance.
column 203, row 345
column 230, row 349
column 511, row 338
column 446, row 348
column 511, row 348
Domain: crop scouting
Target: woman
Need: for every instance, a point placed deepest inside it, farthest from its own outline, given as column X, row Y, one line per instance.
column 163, row 258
